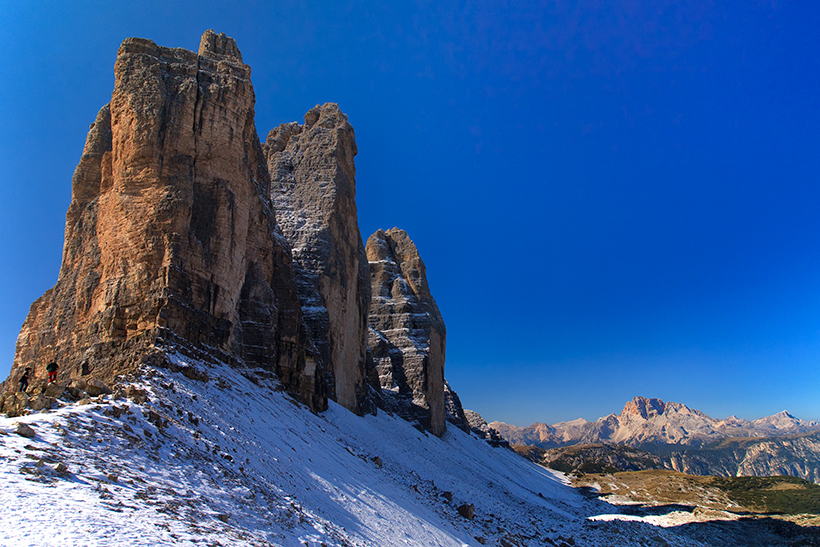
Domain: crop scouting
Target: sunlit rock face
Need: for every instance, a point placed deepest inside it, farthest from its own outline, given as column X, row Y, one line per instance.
column 314, row 193
column 407, row 334
column 170, row 236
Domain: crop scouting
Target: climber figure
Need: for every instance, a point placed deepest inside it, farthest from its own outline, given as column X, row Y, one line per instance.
column 52, row 371
column 24, row 379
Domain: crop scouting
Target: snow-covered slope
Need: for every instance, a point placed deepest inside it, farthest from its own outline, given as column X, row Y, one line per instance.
column 234, row 461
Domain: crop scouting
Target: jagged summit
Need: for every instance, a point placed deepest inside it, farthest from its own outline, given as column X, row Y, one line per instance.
column 219, row 46
column 169, row 235
column 643, row 407
column 650, row 421
column 313, row 191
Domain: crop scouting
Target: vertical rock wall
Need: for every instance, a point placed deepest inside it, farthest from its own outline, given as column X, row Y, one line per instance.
column 407, row 335
column 314, row 192
column 171, row 240
column 170, row 235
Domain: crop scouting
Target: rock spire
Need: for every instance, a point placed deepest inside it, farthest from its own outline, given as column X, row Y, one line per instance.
column 170, row 235
column 314, row 193
column 407, row 334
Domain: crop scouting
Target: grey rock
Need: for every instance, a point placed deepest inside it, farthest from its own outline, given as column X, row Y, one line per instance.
column 136, row 394
column 313, row 189
column 453, row 408
column 483, row 430
column 96, row 387
column 24, row 431
column 407, row 335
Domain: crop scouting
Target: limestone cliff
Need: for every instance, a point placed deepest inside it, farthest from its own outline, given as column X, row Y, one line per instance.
column 314, row 193
column 170, row 235
column 407, row 334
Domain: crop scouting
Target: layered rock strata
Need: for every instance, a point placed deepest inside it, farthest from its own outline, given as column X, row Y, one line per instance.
column 407, row 335
column 454, row 411
column 170, row 235
column 314, row 193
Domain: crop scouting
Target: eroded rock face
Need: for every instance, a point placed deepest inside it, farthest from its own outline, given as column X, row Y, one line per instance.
column 454, row 411
column 313, row 191
column 170, row 235
column 407, row 334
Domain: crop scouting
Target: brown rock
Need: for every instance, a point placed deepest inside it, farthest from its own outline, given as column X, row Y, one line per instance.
column 24, row 431
column 467, row 511
column 170, row 235
column 313, row 190
column 40, row 402
column 54, row 390
column 15, row 404
column 407, row 334
column 96, row 387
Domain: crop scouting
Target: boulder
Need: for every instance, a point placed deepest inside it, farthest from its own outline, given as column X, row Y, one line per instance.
column 25, row 431
column 136, row 394
column 96, row 387
column 54, row 390
column 467, row 511
column 15, row 404
column 41, row 402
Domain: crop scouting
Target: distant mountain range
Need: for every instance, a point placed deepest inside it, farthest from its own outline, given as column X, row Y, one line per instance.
column 646, row 422
column 653, row 434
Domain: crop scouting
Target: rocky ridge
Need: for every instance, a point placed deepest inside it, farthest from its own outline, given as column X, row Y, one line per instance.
column 793, row 455
column 645, row 422
column 653, row 434
column 179, row 241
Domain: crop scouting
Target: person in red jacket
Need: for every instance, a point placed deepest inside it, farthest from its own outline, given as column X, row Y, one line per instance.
column 52, row 371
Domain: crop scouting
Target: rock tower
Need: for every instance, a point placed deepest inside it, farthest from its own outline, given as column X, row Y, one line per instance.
column 186, row 235
column 407, row 334
column 170, row 235
column 314, row 193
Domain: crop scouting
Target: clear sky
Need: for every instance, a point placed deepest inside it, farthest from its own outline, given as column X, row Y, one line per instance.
column 612, row 198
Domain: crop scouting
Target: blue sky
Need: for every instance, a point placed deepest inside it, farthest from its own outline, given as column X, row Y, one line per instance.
column 612, row 198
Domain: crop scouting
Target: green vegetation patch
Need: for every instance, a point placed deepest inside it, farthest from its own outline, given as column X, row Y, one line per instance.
column 785, row 495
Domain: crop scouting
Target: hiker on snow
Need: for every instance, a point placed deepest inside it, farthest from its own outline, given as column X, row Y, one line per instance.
column 52, row 371
column 24, row 379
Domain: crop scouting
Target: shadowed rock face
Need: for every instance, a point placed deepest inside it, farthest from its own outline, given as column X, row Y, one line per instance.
column 314, row 191
column 170, row 236
column 407, row 334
